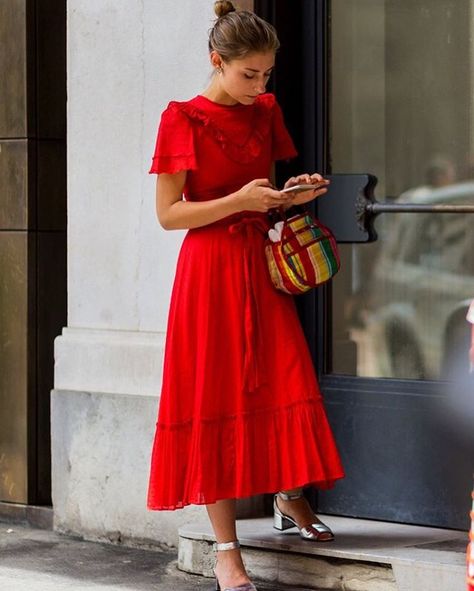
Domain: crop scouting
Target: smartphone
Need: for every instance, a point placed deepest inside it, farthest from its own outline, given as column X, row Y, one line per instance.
column 300, row 188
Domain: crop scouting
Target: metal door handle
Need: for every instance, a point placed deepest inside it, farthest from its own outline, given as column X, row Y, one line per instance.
column 368, row 209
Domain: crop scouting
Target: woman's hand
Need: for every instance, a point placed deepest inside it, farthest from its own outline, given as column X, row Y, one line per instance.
column 320, row 187
column 260, row 195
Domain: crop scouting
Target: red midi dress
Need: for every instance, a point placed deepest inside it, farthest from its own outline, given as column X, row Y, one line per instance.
column 240, row 411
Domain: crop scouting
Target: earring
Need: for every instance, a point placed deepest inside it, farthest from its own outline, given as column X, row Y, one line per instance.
column 219, row 70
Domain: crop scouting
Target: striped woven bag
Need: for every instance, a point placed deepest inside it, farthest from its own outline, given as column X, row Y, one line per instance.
column 306, row 255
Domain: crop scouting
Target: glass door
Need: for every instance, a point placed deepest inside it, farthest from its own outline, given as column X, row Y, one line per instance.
column 400, row 106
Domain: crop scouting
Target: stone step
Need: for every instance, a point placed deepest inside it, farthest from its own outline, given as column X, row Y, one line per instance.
column 36, row 516
column 366, row 556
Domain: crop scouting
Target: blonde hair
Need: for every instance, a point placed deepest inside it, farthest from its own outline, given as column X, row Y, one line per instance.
column 235, row 34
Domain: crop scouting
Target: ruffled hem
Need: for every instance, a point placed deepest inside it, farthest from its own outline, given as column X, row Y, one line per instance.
column 201, row 462
column 172, row 164
column 242, row 153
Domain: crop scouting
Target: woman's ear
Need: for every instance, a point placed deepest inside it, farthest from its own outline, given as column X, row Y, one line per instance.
column 216, row 59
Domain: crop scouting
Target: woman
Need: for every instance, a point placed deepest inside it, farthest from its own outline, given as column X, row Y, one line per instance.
column 240, row 410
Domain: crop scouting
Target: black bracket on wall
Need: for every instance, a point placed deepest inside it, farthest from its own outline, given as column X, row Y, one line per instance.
column 349, row 207
column 343, row 208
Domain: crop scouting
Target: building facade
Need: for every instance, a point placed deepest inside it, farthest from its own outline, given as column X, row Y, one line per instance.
column 385, row 336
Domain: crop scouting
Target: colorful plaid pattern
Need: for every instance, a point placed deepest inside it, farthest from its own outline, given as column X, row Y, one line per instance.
column 305, row 257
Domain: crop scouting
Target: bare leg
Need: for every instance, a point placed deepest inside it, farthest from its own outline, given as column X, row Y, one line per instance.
column 300, row 510
column 230, row 569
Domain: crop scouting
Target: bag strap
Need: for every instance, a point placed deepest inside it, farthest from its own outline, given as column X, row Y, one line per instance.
column 278, row 214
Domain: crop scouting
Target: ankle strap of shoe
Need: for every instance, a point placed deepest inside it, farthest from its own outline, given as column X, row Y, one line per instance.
column 227, row 545
column 290, row 497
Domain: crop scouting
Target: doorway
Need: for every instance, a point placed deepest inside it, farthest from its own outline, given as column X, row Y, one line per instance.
column 33, row 298
column 386, row 88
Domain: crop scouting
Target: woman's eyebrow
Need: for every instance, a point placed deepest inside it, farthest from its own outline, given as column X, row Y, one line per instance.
column 257, row 71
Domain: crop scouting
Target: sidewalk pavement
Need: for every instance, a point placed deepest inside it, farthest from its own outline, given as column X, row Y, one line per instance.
column 43, row 560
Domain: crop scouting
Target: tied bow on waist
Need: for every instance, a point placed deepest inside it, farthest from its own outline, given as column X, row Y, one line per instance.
column 254, row 370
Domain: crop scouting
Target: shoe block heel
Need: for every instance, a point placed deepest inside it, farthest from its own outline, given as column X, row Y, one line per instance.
column 281, row 523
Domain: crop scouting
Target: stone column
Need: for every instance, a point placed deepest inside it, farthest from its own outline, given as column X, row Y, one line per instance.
column 125, row 61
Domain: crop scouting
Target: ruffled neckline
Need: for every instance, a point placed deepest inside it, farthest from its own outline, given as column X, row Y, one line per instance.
column 205, row 113
column 206, row 102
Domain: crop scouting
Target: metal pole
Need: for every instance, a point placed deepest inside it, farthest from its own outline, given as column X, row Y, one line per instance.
column 376, row 208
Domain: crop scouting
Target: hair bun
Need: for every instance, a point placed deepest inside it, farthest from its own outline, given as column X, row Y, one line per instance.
column 223, row 7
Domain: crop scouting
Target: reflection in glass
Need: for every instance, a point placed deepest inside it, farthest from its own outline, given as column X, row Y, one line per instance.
column 402, row 106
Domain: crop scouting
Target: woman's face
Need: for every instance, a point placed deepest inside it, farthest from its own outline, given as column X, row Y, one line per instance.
column 244, row 79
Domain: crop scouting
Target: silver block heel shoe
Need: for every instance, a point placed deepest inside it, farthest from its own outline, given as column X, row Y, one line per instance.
column 310, row 532
column 232, row 546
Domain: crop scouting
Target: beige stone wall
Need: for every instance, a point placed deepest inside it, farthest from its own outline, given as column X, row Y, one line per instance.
column 121, row 263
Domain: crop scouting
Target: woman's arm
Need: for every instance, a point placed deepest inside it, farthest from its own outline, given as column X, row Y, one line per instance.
column 175, row 214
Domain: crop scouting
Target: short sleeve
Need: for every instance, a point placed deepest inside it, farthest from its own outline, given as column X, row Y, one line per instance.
column 283, row 147
column 174, row 147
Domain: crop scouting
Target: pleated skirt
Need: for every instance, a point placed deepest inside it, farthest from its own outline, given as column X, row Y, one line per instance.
column 240, row 411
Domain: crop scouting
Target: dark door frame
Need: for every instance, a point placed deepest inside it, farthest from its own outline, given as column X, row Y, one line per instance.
column 300, row 82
